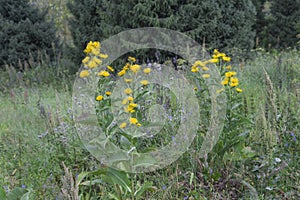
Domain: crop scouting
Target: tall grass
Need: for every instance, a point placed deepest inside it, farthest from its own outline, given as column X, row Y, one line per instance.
column 37, row 133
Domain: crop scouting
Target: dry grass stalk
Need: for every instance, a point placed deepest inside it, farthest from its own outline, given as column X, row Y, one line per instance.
column 69, row 188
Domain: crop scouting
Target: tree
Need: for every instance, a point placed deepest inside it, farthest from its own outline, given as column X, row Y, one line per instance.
column 24, row 33
column 220, row 24
column 285, row 17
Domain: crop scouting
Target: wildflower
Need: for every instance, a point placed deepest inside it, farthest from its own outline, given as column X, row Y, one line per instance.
column 122, row 72
column 230, row 74
column 144, row 82
column 199, row 63
column 138, row 124
column 130, row 98
column 127, row 80
column 147, row 70
column 123, row 125
column 130, row 108
column 103, row 73
column 216, row 51
column 92, row 64
column 225, row 81
column 195, row 88
column 206, row 75
column 194, row 69
column 104, row 56
column 205, row 68
column 108, row 93
column 228, row 67
column 214, row 60
column 110, row 68
column 234, row 82
column 96, row 52
column 135, row 68
column 125, row 101
column 84, row 73
column 131, row 59
column 128, row 91
column 99, row 98
column 85, row 60
column 226, row 58
column 133, row 120
column 239, row 90
column 126, row 67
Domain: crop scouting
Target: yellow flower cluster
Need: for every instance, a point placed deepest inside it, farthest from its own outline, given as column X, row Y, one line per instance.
column 101, row 97
column 129, row 105
column 93, row 60
column 197, row 64
column 217, row 57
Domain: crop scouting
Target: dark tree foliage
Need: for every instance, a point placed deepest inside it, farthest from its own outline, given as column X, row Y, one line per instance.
column 217, row 23
column 285, row 19
column 24, row 32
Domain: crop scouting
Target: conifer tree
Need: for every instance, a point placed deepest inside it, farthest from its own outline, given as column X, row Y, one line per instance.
column 24, row 32
column 219, row 23
column 285, row 17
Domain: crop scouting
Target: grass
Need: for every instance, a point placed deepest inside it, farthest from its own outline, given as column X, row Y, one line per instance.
column 37, row 134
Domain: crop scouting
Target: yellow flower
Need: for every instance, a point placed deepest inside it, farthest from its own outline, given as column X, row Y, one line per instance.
column 228, row 67
column 92, row 64
column 135, row 68
column 122, row 72
column 131, row 59
column 239, row 90
column 130, row 108
column 214, row 60
column 84, row 73
column 205, row 68
column 96, row 52
column 195, row 88
column 194, row 69
column 222, row 55
column 216, row 51
column 99, row 98
column 199, row 63
column 138, row 124
column 133, row 120
column 230, row 74
column 225, row 81
column 234, row 82
column 226, row 58
column 85, row 60
column 110, row 68
column 127, row 80
column 126, row 67
column 97, row 60
column 123, row 125
column 144, row 82
column 96, row 44
column 147, row 70
column 206, row 75
column 130, row 98
column 108, row 93
column 103, row 73
column 128, row 91
column 124, row 101
column 104, row 56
